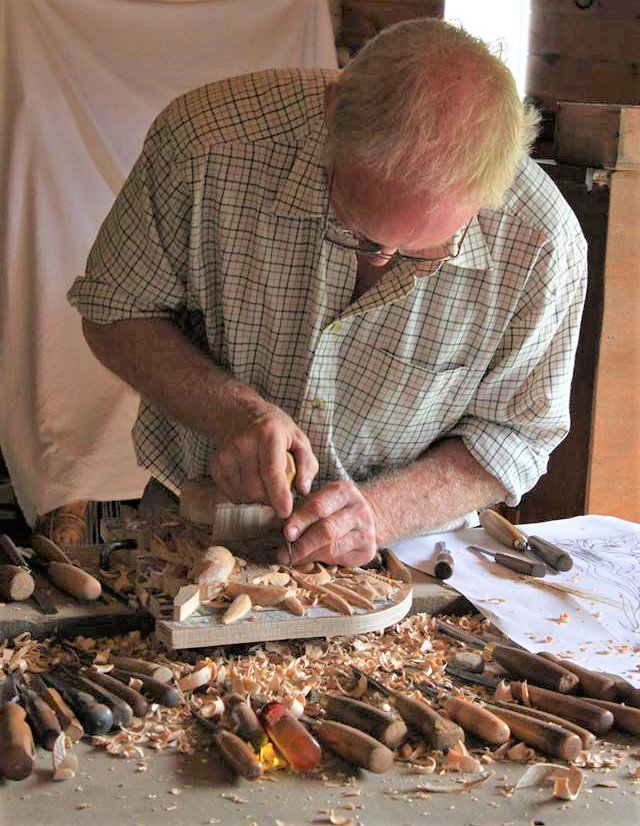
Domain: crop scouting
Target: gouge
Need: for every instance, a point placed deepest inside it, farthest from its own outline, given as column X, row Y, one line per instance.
column 588, row 737
column 592, row 683
column 16, row 583
column 237, row 754
column 625, row 718
column 389, row 729
column 247, row 725
column 503, row 531
column 17, row 749
column 69, row 723
column 439, row 732
column 42, row 718
column 96, row 718
column 553, row 740
column 581, row 711
column 520, row 564
column 352, row 745
column 156, row 671
column 166, row 695
column 443, row 567
column 532, row 668
column 629, row 694
column 130, row 696
column 61, row 570
column 120, row 709
column 474, row 718
column 17, row 558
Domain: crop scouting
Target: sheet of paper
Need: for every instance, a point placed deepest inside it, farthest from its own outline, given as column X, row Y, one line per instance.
column 601, row 633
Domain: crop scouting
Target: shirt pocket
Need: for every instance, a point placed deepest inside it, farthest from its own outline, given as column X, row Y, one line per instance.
column 389, row 410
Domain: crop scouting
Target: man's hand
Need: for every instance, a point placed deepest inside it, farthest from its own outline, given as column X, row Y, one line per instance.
column 335, row 525
column 250, row 461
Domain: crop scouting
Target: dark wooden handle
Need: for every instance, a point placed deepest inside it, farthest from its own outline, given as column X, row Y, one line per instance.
column 42, row 718
column 74, row 581
column 16, row 584
column 156, row 671
column 17, row 749
column 134, row 698
column 439, row 732
column 477, row 720
column 120, row 709
column 535, row 669
column 389, row 729
column 588, row 737
column 66, row 717
column 47, row 549
column 528, row 567
column 592, row 684
column 354, row 746
column 625, row 718
column 552, row 554
column 238, row 755
column 582, row 712
column 547, row 737
column 166, row 695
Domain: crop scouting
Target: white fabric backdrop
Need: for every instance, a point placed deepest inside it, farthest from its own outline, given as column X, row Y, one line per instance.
column 80, row 83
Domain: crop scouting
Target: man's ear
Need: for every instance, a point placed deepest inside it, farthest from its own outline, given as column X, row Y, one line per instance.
column 329, row 101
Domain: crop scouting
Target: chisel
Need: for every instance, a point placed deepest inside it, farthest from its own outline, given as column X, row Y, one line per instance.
column 96, row 717
column 122, row 690
column 69, row 723
column 42, row 718
column 51, row 559
column 247, row 725
column 352, row 745
column 592, row 683
column 507, row 534
column 520, row 564
column 160, row 692
column 625, row 718
column 389, row 729
column 17, row 749
column 474, row 718
column 17, row 558
column 548, row 738
column 439, row 732
column 120, row 709
column 156, row 671
column 587, row 737
column 443, row 567
column 237, row 754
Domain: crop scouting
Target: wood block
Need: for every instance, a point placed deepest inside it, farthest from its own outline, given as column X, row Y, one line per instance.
column 185, row 602
column 598, row 134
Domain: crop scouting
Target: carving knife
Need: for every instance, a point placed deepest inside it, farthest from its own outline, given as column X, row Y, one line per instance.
column 507, row 534
column 44, row 603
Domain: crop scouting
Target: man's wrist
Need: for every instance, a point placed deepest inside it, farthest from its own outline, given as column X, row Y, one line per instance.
column 237, row 405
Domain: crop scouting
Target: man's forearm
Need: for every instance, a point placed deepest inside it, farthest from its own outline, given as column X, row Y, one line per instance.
column 158, row 361
column 444, row 484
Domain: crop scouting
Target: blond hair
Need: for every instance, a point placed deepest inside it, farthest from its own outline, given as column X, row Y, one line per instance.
column 427, row 105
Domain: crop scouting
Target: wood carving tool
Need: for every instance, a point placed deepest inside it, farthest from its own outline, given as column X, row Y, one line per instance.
column 587, row 737
column 389, row 729
column 474, row 718
column 507, row 534
column 354, row 746
column 237, row 754
column 246, row 721
column 290, row 472
column 110, row 547
column 53, row 561
column 157, row 671
column 17, row 558
column 17, row 749
column 96, row 718
column 580, row 711
column 16, row 583
column 592, row 683
column 629, row 694
column 299, row 748
column 443, row 568
column 122, row 690
column 120, row 709
column 548, row 738
column 42, row 718
column 159, row 692
column 520, row 564
column 394, row 566
column 625, row 718
column 439, row 732
column 69, row 723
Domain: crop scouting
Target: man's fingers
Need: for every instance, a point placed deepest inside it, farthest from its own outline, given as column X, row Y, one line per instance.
column 320, row 505
column 335, row 536
column 306, row 466
column 272, row 464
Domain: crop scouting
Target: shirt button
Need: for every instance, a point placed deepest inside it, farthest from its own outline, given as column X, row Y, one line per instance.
column 336, row 326
column 319, row 404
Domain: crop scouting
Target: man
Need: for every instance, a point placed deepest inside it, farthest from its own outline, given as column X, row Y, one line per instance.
column 363, row 268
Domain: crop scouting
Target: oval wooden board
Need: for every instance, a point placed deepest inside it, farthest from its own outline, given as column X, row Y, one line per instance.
column 204, row 629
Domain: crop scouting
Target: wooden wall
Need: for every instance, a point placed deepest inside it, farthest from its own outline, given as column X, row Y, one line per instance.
column 584, row 50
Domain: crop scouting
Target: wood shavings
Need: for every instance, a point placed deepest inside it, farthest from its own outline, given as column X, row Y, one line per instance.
column 567, row 781
column 521, row 753
column 234, row 798
column 201, row 676
column 458, row 759
column 503, row 692
column 448, row 788
column 67, row 769
column 562, row 619
column 333, row 818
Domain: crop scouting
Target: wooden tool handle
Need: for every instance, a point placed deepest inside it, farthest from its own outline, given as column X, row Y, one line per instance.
column 69, row 723
column 10, row 550
column 529, row 567
column 74, row 581
column 16, row 584
column 547, row 737
column 443, row 567
column 440, row 733
column 17, row 749
column 535, row 669
column 134, row 698
column 47, row 549
column 477, row 720
column 96, row 718
column 156, row 671
column 160, row 692
column 238, row 755
column 629, row 694
column 592, row 684
column 552, row 554
column 582, row 712
column 395, row 566
column 120, row 709
column 625, row 718
column 587, row 737
column 42, row 718
column 389, row 729
column 502, row 530
column 354, row 746
column 247, row 724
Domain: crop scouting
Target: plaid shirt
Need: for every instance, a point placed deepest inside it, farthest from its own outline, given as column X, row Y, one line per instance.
column 220, row 226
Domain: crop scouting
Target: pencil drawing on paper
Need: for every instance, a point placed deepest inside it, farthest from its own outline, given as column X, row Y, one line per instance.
column 613, row 560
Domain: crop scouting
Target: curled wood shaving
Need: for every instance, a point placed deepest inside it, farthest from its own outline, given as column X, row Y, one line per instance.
column 458, row 759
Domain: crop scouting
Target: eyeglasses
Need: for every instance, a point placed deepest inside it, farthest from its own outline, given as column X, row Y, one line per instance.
column 340, row 236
